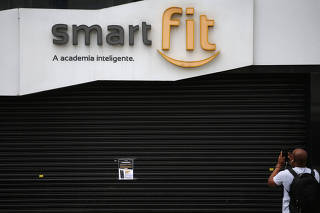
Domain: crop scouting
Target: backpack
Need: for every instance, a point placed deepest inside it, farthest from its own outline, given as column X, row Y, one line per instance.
column 304, row 193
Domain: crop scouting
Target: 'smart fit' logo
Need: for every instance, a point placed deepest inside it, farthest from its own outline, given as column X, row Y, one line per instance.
column 116, row 35
column 205, row 23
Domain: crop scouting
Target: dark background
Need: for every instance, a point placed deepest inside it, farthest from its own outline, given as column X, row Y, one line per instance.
column 61, row 4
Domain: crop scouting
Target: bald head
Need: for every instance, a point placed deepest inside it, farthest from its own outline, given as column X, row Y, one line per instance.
column 300, row 157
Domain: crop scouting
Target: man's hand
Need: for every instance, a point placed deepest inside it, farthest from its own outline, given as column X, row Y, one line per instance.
column 281, row 161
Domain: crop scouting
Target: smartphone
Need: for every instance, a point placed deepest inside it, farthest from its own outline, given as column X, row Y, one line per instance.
column 285, row 154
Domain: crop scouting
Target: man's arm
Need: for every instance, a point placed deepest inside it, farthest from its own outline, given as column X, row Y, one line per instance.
column 280, row 163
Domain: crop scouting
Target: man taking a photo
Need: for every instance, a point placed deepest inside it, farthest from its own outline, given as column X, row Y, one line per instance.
column 300, row 184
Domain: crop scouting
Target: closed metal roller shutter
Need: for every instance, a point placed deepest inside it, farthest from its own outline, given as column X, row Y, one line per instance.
column 200, row 145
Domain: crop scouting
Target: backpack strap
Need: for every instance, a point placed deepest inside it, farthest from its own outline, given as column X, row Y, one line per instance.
column 293, row 172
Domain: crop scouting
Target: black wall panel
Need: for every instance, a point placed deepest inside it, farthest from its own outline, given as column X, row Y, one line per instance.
column 200, row 145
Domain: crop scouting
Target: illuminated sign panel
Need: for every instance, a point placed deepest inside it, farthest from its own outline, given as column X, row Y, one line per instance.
column 165, row 40
column 152, row 40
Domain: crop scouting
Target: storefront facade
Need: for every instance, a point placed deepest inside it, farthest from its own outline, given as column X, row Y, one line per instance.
column 203, row 144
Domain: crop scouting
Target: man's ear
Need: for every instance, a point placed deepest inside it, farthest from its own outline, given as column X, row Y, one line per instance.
column 291, row 159
column 290, row 156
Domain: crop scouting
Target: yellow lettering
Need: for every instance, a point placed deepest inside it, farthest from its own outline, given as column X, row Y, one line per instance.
column 167, row 22
column 205, row 23
column 190, row 34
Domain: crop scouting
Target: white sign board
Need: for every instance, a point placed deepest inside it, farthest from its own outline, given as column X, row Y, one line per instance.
column 40, row 70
